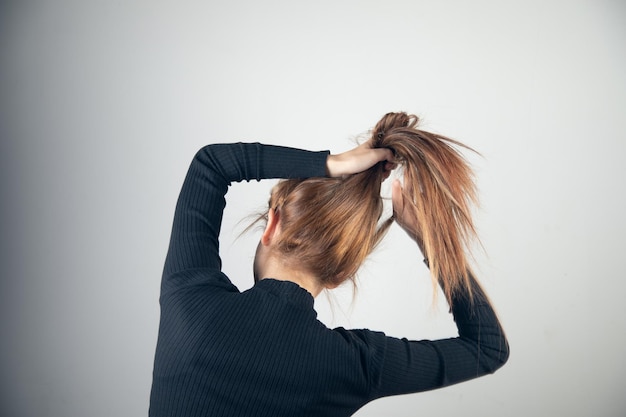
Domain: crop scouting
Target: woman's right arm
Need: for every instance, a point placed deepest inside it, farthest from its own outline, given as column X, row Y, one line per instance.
column 480, row 348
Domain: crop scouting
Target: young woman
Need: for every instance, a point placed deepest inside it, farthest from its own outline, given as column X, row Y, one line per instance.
column 262, row 352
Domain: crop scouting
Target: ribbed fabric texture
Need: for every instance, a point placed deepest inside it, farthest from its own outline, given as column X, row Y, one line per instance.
column 263, row 352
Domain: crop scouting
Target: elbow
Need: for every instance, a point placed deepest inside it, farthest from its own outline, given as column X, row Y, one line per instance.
column 499, row 355
column 503, row 355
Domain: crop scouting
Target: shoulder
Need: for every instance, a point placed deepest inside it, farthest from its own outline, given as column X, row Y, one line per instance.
column 196, row 280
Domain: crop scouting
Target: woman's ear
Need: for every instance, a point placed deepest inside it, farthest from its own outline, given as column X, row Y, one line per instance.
column 272, row 227
column 331, row 286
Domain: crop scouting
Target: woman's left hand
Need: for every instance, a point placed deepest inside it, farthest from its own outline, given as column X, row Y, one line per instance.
column 358, row 160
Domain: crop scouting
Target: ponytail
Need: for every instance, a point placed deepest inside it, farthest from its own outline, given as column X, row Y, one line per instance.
column 439, row 189
column 330, row 225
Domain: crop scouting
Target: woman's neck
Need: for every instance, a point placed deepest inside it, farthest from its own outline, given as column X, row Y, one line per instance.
column 271, row 267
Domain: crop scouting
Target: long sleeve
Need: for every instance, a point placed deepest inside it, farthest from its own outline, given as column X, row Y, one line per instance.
column 263, row 352
column 481, row 348
column 194, row 240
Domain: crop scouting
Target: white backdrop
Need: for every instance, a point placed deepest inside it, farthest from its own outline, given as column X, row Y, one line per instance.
column 103, row 105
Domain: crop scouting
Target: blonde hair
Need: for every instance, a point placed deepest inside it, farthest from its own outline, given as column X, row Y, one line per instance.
column 330, row 225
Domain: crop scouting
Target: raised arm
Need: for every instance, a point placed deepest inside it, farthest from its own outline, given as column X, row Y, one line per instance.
column 194, row 240
column 413, row 366
column 481, row 347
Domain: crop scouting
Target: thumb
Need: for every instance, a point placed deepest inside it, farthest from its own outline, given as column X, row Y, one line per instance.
column 397, row 199
column 403, row 215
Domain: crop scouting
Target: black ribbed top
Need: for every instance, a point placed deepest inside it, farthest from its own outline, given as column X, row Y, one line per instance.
column 262, row 352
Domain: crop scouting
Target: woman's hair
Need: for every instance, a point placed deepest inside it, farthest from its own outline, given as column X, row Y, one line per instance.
column 330, row 225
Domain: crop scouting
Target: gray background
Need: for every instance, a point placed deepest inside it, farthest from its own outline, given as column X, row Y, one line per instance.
column 103, row 105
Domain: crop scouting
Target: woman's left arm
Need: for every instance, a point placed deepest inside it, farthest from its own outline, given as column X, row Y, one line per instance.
column 194, row 240
column 480, row 349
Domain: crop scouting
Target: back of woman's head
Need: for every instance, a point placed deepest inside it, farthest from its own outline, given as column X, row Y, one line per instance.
column 330, row 225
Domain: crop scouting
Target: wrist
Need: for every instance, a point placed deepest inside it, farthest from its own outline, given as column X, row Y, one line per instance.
column 330, row 165
column 334, row 166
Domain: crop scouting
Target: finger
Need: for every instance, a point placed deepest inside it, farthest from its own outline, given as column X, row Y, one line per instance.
column 390, row 166
column 388, row 155
column 397, row 199
column 381, row 154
